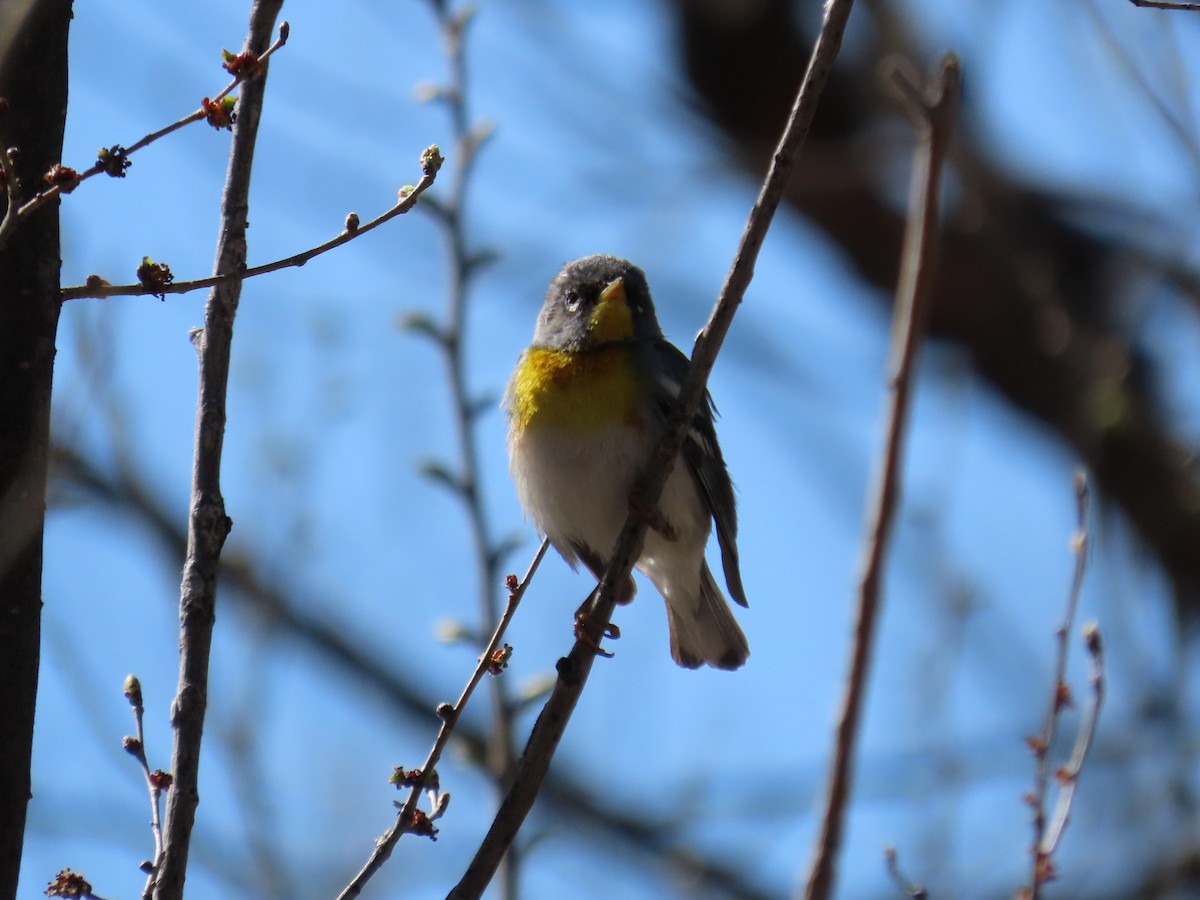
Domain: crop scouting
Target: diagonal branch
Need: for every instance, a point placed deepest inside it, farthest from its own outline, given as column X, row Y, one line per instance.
column 1166, row 4
column 431, row 161
column 1060, row 694
column 1068, row 775
column 1046, row 842
column 933, row 111
column 426, row 777
column 113, row 161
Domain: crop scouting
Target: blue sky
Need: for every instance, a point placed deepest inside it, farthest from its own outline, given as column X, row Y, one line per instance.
column 332, row 408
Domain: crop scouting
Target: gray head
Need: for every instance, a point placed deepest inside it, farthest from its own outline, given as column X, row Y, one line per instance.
column 594, row 301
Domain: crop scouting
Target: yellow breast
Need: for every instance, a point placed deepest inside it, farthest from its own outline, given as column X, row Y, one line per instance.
column 575, row 391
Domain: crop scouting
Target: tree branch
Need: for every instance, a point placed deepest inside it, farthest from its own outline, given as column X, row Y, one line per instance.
column 932, row 110
column 1044, row 844
column 450, row 715
column 431, row 161
column 1068, row 775
column 1166, row 4
column 899, row 879
column 116, row 167
column 156, row 781
column 208, row 524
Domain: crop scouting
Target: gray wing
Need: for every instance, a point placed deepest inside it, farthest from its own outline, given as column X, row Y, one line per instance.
column 702, row 454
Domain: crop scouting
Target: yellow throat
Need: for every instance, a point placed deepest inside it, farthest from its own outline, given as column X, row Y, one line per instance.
column 579, row 392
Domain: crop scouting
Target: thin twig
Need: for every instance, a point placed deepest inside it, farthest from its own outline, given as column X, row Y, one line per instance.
column 903, row 885
column 430, row 161
column 208, row 525
column 1060, row 695
column 450, row 716
column 15, row 214
column 573, row 669
column 155, row 781
column 1166, row 4
column 932, row 110
column 1068, row 775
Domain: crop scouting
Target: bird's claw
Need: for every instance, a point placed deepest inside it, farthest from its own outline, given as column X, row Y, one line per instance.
column 583, row 632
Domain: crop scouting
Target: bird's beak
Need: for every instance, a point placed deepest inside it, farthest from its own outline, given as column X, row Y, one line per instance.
column 612, row 319
column 614, row 292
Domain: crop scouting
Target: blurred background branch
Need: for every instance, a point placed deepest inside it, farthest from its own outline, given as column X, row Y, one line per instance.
column 464, row 476
column 932, row 107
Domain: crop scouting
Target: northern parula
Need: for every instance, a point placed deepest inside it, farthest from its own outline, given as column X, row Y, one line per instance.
column 587, row 404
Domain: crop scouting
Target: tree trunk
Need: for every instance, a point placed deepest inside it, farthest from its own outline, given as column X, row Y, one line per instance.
column 33, row 80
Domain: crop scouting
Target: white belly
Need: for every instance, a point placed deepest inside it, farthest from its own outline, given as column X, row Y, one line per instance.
column 576, row 489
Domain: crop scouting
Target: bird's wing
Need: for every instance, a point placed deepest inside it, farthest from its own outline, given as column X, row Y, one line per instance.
column 702, row 454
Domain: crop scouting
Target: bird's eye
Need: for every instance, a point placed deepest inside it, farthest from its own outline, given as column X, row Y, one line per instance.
column 571, row 300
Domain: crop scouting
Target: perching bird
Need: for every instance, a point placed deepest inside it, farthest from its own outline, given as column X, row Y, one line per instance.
column 587, row 404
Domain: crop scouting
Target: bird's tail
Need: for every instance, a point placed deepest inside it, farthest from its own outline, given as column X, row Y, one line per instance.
column 703, row 629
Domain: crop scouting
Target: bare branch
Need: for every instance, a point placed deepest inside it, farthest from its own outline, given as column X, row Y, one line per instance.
column 156, row 782
column 933, row 111
column 251, row 69
column 1068, row 775
column 450, row 716
column 903, row 885
column 1166, row 4
column 97, row 287
column 1060, row 696
column 208, row 525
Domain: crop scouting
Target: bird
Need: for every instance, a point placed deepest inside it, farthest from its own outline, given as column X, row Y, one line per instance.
column 586, row 405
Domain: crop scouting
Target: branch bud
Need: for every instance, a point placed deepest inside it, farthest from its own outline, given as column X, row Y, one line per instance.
column 431, row 160
column 133, row 690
